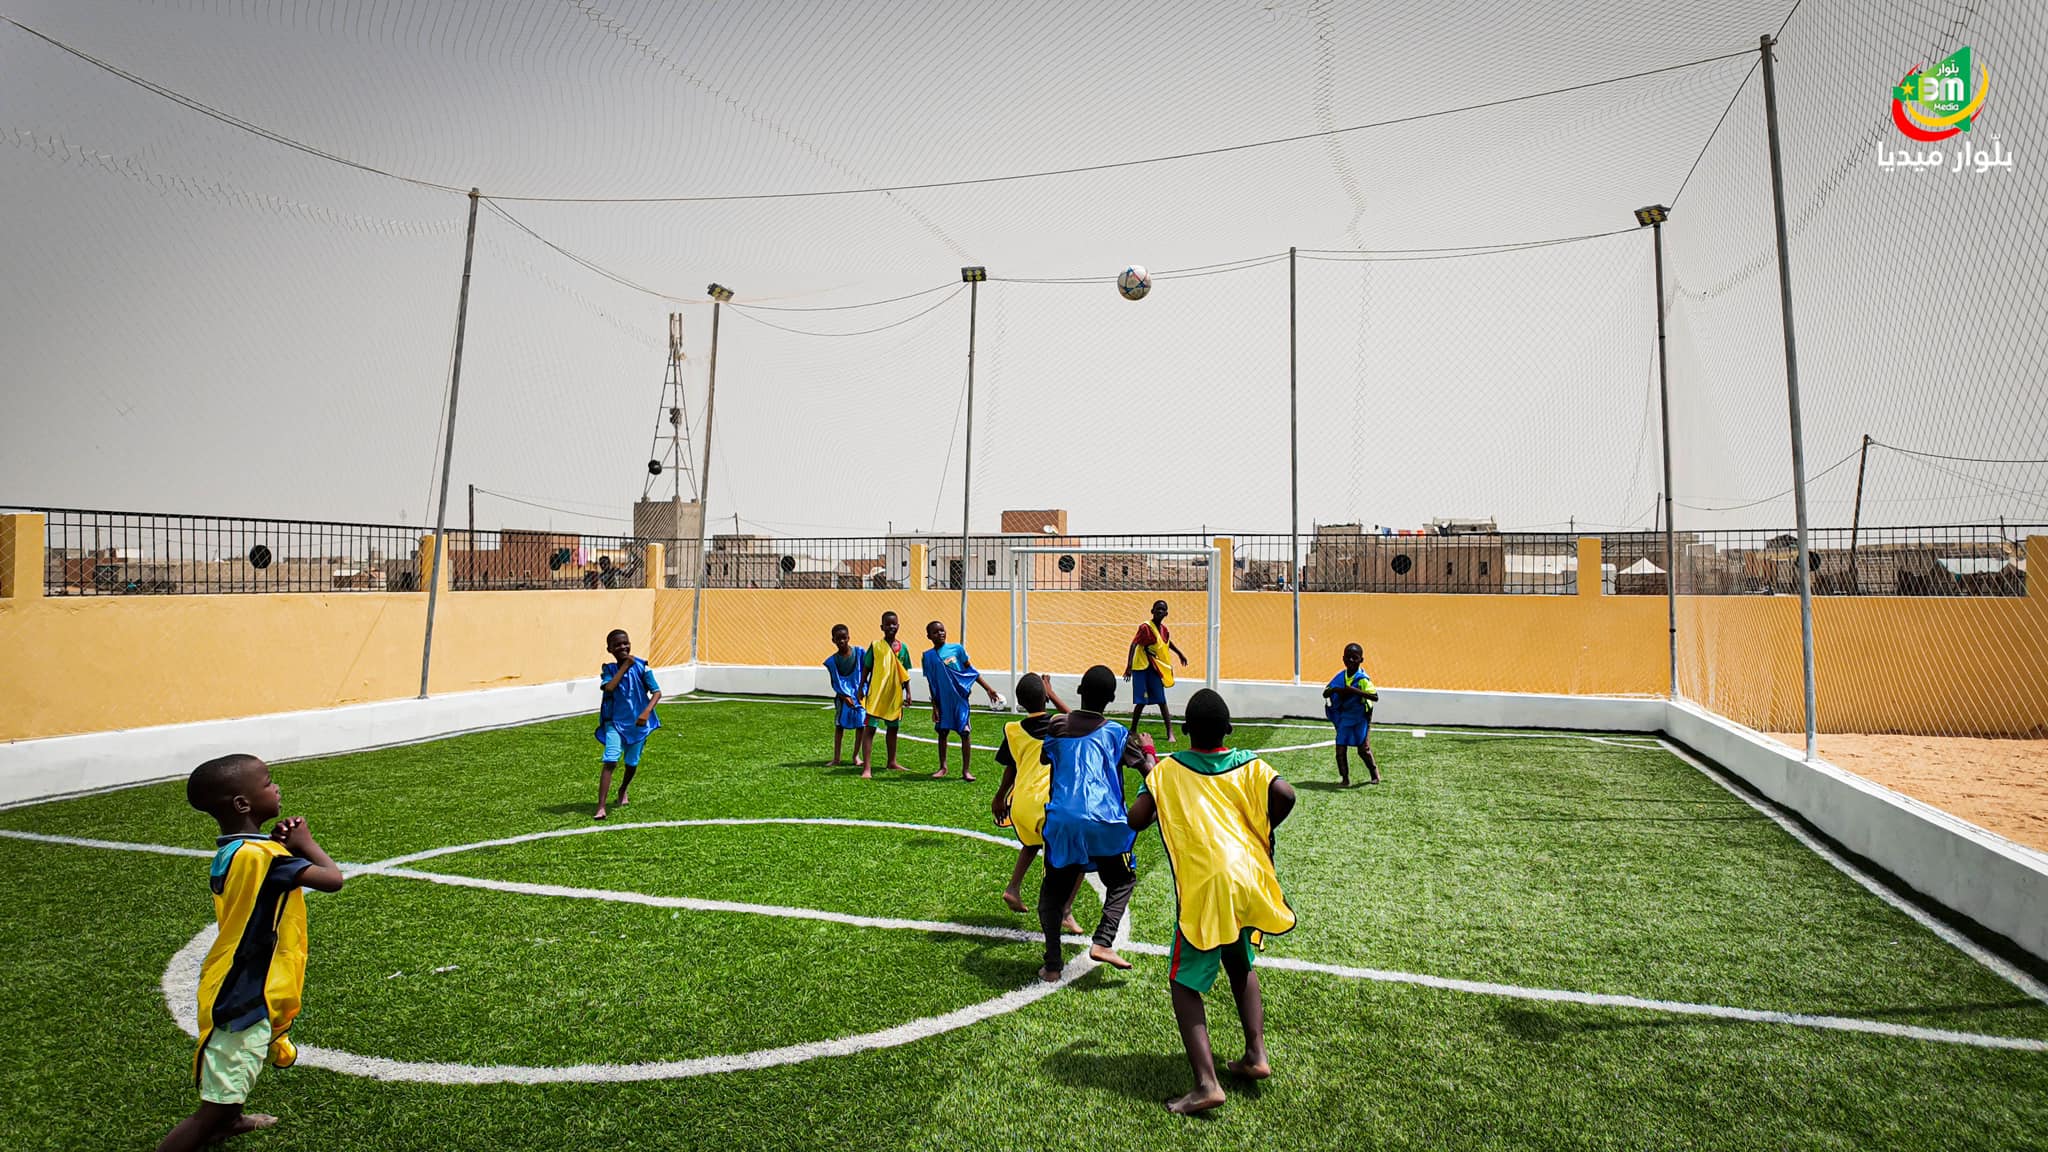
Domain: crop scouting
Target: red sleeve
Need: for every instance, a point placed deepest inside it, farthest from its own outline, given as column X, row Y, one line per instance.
column 1144, row 636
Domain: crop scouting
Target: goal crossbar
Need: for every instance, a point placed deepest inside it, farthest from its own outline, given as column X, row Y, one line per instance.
column 1020, row 600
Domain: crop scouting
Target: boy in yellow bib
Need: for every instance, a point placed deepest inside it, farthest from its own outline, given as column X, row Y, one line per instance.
column 1020, row 799
column 886, row 666
column 252, row 978
column 1216, row 811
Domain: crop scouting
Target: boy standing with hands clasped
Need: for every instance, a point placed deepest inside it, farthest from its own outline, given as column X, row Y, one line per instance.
column 253, row 976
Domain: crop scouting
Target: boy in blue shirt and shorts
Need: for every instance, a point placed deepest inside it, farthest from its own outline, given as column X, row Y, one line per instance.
column 627, row 715
column 950, row 677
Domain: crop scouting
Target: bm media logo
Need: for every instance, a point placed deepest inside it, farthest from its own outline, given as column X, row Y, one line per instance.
column 1935, row 103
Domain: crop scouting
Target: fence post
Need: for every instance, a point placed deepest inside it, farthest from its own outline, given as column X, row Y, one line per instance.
column 2037, row 567
column 1224, row 580
column 1589, row 561
column 918, row 576
column 652, row 561
column 21, row 556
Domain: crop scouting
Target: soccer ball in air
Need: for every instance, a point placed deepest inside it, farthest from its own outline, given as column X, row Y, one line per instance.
column 1134, row 282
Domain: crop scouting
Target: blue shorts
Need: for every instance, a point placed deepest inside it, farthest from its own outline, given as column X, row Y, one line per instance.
column 1147, row 687
column 852, row 716
column 617, row 748
column 1352, row 732
column 953, row 716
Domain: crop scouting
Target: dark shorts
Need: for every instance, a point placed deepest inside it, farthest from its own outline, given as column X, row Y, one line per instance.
column 1147, row 687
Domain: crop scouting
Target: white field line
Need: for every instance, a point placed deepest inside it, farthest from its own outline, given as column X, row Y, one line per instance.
column 1955, row 939
column 181, row 978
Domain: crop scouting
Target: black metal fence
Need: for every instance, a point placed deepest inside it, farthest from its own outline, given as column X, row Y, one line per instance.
column 988, row 562
column 512, row 560
column 1350, row 560
column 98, row 553
column 1932, row 560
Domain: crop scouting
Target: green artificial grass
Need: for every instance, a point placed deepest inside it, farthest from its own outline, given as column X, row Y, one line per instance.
column 1548, row 863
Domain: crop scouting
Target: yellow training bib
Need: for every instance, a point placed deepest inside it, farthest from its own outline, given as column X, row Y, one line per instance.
column 1216, row 832
column 1033, row 787
column 1155, row 655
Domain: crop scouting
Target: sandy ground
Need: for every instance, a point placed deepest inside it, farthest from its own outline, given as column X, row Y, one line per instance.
column 2001, row 785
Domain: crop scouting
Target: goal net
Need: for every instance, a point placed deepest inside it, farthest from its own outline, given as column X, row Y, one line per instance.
column 1074, row 607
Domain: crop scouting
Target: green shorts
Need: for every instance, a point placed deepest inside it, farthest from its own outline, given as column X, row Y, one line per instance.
column 885, row 725
column 231, row 1061
column 1195, row 968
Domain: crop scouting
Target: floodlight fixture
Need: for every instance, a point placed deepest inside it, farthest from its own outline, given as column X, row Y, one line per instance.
column 1654, row 214
column 974, row 275
column 720, row 293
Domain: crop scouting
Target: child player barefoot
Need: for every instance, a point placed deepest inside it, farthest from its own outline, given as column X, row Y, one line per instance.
column 888, row 693
column 253, row 976
column 1216, row 811
column 1349, row 702
column 950, row 677
column 1086, row 826
column 1020, row 799
column 843, row 668
column 626, row 716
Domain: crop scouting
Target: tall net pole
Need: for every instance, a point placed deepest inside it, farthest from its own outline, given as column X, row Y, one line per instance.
column 448, row 451
column 1804, row 565
column 718, row 298
column 1664, row 413
column 967, row 482
column 1293, row 469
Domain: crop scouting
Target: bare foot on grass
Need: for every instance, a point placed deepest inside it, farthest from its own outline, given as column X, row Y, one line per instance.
column 1014, row 901
column 251, row 1122
column 898, row 768
column 1049, row 975
column 939, row 775
column 600, row 814
column 1071, row 926
column 1107, row 956
column 1248, row 1068
column 865, row 774
column 967, row 776
column 1197, row 1101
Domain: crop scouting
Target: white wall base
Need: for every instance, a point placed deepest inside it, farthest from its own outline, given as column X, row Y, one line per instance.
column 1991, row 880
column 58, row 765
column 1412, row 706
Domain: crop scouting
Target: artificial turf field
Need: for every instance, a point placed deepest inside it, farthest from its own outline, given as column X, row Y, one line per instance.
column 1603, row 866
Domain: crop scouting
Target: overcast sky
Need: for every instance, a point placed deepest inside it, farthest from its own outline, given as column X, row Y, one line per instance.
column 201, row 320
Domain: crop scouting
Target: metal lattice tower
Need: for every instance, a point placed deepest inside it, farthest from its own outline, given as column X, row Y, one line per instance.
column 671, row 453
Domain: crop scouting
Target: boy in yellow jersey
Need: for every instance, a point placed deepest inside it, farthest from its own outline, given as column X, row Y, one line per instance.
column 252, row 977
column 1216, row 811
column 1149, row 670
column 886, row 693
column 1027, row 783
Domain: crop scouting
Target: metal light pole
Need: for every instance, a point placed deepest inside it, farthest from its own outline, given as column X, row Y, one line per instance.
column 1294, row 564
column 1805, row 563
column 1856, row 517
column 1654, row 216
column 448, row 449
column 719, row 295
column 973, row 277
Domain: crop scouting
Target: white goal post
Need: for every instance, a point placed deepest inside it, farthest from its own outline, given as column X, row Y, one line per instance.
column 1023, row 565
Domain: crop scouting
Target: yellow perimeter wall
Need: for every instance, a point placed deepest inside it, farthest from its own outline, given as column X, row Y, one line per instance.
column 1975, row 665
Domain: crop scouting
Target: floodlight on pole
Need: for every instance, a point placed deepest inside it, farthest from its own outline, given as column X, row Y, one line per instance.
column 1653, row 218
column 720, row 295
column 973, row 277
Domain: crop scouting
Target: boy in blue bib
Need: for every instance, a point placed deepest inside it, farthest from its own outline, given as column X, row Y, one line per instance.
column 950, row 678
column 626, row 717
column 1348, row 704
column 1087, row 828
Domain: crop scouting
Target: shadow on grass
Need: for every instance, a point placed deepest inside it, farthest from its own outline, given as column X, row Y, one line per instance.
column 578, row 808
column 1733, row 818
column 1331, row 786
column 1152, row 1077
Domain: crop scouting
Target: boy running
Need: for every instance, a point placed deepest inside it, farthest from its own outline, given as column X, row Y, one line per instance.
column 1086, row 826
column 626, row 716
column 1349, row 702
column 887, row 665
column 1216, row 811
column 1020, row 798
column 843, row 669
column 949, row 677
column 1148, row 669
column 253, row 976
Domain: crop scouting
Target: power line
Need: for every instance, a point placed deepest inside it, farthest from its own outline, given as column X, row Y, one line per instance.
column 957, row 289
column 1959, row 459
column 229, row 118
column 555, row 508
column 280, row 138
column 1777, row 496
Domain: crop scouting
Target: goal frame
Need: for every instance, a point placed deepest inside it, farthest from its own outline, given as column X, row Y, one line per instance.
column 1020, row 601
